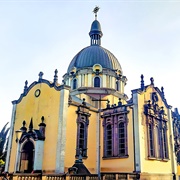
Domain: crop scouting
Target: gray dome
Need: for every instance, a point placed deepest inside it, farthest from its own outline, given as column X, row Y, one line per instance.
column 94, row 54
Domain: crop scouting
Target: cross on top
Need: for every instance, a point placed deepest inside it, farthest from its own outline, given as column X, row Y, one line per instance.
column 95, row 10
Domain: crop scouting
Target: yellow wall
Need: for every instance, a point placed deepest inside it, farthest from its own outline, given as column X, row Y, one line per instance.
column 147, row 165
column 47, row 105
column 71, row 133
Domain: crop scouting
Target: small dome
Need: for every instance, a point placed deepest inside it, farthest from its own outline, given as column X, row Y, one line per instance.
column 95, row 29
column 95, row 54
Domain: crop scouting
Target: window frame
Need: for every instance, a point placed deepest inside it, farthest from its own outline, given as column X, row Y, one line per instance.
column 95, row 82
column 115, row 121
column 82, row 118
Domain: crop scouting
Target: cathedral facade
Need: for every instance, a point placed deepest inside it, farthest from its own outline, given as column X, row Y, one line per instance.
column 90, row 118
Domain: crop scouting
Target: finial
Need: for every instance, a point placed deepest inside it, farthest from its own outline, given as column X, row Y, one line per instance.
column 40, row 76
column 108, row 104
column 84, row 102
column 142, row 82
column 95, row 10
column 23, row 128
column 24, row 123
column 162, row 90
column 31, row 125
column 55, row 76
column 152, row 81
column 25, row 87
column 42, row 119
column 119, row 103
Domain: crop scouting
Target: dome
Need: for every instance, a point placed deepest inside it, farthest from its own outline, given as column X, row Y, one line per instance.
column 94, row 54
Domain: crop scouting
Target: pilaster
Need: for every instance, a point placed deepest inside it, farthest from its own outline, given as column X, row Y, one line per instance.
column 61, row 139
column 10, row 137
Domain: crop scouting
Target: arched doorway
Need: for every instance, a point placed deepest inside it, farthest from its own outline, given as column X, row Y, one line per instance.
column 27, row 157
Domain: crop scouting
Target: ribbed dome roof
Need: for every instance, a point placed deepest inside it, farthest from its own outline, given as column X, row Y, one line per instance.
column 94, row 54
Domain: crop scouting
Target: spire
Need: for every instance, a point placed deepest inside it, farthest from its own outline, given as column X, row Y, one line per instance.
column 40, row 76
column 162, row 90
column 55, row 76
column 152, row 81
column 25, row 87
column 31, row 125
column 142, row 82
column 95, row 32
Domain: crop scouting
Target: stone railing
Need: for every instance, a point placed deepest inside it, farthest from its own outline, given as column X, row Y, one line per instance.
column 104, row 176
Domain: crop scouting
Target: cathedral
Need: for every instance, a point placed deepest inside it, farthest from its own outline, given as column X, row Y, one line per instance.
column 88, row 125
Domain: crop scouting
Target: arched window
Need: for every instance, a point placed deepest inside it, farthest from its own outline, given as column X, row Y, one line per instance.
column 117, row 86
column 122, row 139
column 27, row 157
column 109, row 140
column 74, row 86
column 96, row 82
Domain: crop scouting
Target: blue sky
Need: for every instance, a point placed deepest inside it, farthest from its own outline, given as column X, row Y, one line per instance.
column 45, row 35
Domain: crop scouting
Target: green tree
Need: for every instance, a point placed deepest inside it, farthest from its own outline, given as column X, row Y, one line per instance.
column 3, row 144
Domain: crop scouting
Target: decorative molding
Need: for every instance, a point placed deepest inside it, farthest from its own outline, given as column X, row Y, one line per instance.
column 51, row 85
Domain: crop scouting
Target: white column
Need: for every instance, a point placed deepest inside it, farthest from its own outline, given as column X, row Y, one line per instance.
column 113, row 82
column 89, row 80
column 104, row 81
column 79, row 81
column 16, row 167
column 110, row 82
column 38, row 156
column 10, row 137
column 69, row 81
column 136, row 125
column 171, row 149
column 85, row 82
column 61, row 136
column 82, row 80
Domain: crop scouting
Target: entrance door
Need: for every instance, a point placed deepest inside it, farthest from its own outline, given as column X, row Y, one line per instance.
column 27, row 157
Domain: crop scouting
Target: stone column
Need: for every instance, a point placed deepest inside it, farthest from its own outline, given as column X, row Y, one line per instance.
column 89, row 80
column 10, row 137
column 61, row 137
column 137, row 131
column 79, row 80
column 104, row 81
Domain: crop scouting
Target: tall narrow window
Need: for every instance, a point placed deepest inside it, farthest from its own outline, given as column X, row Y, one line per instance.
column 117, row 86
column 82, row 132
column 122, row 139
column 151, row 141
column 74, row 83
column 159, row 147
column 109, row 140
column 165, row 148
column 27, row 157
column 96, row 82
column 81, row 136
